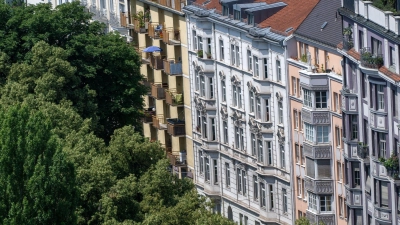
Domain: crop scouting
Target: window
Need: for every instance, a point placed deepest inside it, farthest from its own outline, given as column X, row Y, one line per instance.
column 336, row 102
column 312, row 202
column 265, row 68
column 235, row 95
column 253, row 144
column 299, row 194
column 283, row 159
column 221, row 50
column 271, row 197
column 201, row 162
column 209, row 46
column 194, row 40
column 207, row 169
column 392, row 58
column 316, row 52
column 197, row 81
column 240, row 218
column 223, row 87
column 249, row 62
column 303, row 187
column 258, row 114
column 322, row 134
column 338, row 137
column 237, row 56
column 250, row 20
column 236, row 14
column 341, row 207
column 294, row 86
column 251, row 95
column 284, row 199
column 242, row 181
column 357, row 178
column 280, row 108
column 260, row 155
column 310, row 170
column 239, row 97
column 324, row 168
column 296, row 149
column 225, row 127
column 204, row 128
column 202, row 86
column 263, row 198
column 364, row 85
column 368, row 180
column 227, row 175
column 215, row 172
column 361, row 39
column 307, row 98
column 354, row 127
column 267, row 116
column 376, row 47
column 300, row 122
column 278, row 71
column 326, row 56
column 384, row 194
column 269, row 149
column 199, row 43
column 339, row 171
column 239, row 181
column 394, row 103
column 211, row 92
column 232, row 54
column 382, row 145
column 296, row 119
column 255, row 188
column 381, row 97
column 256, row 68
column 239, row 138
column 303, row 158
column 325, row 203
column 213, row 130
column 225, row 10
column 309, row 132
column 246, row 220
column 199, row 118
column 320, row 99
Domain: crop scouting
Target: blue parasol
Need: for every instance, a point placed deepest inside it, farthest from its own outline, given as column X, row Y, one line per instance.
column 152, row 49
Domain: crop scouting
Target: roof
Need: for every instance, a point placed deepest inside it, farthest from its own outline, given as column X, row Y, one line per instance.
column 313, row 25
column 290, row 16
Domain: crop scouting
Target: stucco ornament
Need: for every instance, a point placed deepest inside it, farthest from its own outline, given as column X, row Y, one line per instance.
column 279, row 96
column 224, row 113
column 200, row 105
column 237, row 118
column 235, row 80
column 281, row 135
column 255, row 128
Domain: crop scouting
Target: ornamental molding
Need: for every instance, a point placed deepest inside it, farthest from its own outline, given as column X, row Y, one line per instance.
column 237, row 118
column 224, row 113
column 279, row 96
column 281, row 135
column 222, row 75
column 200, row 105
column 255, row 128
column 235, row 80
column 253, row 88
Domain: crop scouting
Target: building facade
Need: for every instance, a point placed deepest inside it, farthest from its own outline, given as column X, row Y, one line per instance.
column 241, row 133
column 315, row 75
column 370, row 92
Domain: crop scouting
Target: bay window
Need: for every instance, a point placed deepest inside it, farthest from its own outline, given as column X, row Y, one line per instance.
column 320, row 99
column 307, row 98
column 322, row 134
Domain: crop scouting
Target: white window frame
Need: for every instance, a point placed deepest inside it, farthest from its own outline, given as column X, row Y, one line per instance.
column 278, row 71
column 251, row 96
column 202, row 86
column 258, row 108
column 255, row 188
column 267, row 117
column 233, row 62
column 268, row 146
column 211, row 93
column 201, row 162
column 256, row 68
column 249, row 60
column 283, row 156
column 227, row 175
column 271, row 197
column 260, row 152
column 221, row 50
column 284, row 201
column 321, row 99
column 380, row 97
column 223, row 87
column 225, row 133
column 309, row 132
column 213, row 131
column 280, row 112
column 308, row 101
column 325, row 201
column 215, row 171
column 265, row 61
column 312, row 202
column 199, row 43
column 322, row 134
column 207, row 170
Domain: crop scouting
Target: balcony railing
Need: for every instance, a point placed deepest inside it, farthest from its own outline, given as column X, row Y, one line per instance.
column 362, row 150
column 176, row 127
column 156, row 62
column 347, row 43
column 159, row 122
column 123, row 19
column 157, row 90
column 156, row 31
column 370, row 60
column 140, row 27
column 172, row 97
column 148, row 115
column 171, row 36
column 172, row 67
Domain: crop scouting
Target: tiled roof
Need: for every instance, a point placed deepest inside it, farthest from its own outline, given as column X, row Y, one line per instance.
column 340, row 45
column 354, row 54
column 323, row 23
column 291, row 15
column 389, row 73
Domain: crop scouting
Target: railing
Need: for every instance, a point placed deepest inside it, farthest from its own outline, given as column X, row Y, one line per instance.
column 156, row 62
column 347, row 43
column 123, row 19
column 159, row 122
column 172, row 97
column 362, row 151
column 176, row 127
column 155, row 31
column 157, row 90
column 370, row 60
column 138, row 28
column 171, row 67
column 148, row 115
column 171, row 36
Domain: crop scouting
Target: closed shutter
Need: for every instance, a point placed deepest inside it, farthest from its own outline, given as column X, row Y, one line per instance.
column 384, row 194
column 324, row 168
column 358, row 217
column 310, row 167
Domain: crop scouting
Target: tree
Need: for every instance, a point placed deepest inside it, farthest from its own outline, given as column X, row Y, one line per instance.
column 36, row 181
column 104, row 85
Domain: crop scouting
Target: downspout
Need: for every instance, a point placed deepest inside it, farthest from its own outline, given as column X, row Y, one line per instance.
column 292, row 188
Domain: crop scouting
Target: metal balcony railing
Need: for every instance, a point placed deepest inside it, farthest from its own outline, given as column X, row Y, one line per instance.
column 157, row 90
column 369, row 59
column 172, row 97
column 156, row 62
column 176, row 127
column 172, row 67
column 156, row 31
column 171, row 36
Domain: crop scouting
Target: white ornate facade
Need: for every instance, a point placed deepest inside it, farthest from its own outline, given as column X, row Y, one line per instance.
column 240, row 118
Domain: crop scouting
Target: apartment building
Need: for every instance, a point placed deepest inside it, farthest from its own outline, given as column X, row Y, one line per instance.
column 370, row 114
column 161, row 26
column 315, row 77
column 241, row 135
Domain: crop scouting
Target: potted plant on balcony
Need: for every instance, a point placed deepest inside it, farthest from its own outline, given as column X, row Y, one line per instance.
column 200, row 53
column 391, row 164
column 303, row 58
column 208, row 55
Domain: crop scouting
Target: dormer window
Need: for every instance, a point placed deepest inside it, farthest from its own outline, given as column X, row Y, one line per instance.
column 236, row 15
column 225, row 11
column 250, row 19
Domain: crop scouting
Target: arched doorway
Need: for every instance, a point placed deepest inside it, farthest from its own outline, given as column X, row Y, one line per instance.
column 230, row 214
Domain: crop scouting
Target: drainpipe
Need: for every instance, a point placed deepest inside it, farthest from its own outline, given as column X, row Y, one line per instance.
column 289, row 136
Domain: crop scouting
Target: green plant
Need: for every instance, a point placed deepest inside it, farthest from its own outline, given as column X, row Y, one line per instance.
column 200, row 53
column 322, row 68
column 348, row 31
column 303, row 58
column 392, row 162
column 140, row 17
column 382, row 160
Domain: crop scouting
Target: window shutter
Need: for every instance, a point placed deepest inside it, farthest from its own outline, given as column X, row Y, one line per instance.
column 324, row 168
column 368, row 184
column 385, row 193
column 310, row 167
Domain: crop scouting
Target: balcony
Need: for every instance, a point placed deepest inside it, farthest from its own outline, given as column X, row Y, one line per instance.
column 172, row 97
column 319, row 186
column 362, row 150
column 172, row 67
column 313, row 116
column 143, row 55
column 156, row 31
column 318, row 152
column 347, row 43
column 140, row 26
column 159, row 122
column 157, row 90
column 370, row 60
column 171, row 36
column 148, row 115
column 124, row 19
column 326, row 219
column 176, row 127
column 156, row 62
